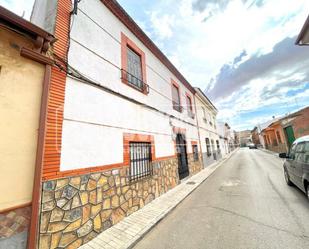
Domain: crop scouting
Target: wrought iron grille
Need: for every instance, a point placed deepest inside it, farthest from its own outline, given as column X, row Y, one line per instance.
column 140, row 160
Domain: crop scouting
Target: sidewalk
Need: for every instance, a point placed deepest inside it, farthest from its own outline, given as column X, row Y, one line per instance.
column 130, row 230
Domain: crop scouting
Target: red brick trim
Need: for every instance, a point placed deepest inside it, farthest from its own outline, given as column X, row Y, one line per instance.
column 191, row 106
column 131, row 137
column 125, row 43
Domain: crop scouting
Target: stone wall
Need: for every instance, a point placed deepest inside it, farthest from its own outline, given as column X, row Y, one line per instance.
column 75, row 209
column 194, row 166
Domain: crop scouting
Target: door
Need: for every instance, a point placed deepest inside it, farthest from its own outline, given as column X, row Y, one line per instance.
column 181, row 147
column 290, row 163
column 213, row 150
column 289, row 135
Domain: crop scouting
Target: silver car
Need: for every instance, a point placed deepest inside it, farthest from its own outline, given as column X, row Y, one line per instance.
column 296, row 165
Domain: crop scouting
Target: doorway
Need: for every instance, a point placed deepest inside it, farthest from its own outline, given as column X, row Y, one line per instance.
column 289, row 135
column 181, row 150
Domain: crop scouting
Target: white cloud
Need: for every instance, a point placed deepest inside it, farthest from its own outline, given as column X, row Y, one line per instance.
column 19, row 7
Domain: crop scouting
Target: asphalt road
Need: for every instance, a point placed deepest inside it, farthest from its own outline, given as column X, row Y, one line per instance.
column 244, row 204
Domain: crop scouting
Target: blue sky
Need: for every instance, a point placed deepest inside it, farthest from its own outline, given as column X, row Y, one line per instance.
column 241, row 52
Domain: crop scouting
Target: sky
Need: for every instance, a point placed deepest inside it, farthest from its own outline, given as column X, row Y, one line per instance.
column 240, row 52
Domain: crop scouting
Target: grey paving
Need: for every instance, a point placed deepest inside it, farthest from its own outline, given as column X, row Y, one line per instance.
column 130, row 230
column 245, row 204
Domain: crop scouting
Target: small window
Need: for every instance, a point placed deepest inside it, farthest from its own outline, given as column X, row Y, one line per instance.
column 140, row 160
column 204, row 115
column 195, row 152
column 176, row 98
column 189, row 106
column 218, row 146
column 208, row 147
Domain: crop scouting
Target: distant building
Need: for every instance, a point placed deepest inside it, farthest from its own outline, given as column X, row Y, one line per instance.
column 255, row 136
column 244, row 137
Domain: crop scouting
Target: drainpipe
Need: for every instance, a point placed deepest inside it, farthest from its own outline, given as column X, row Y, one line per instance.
column 37, row 185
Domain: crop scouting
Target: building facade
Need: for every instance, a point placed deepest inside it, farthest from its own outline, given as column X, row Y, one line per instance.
column 206, row 114
column 282, row 132
column 223, row 131
column 121, row 124
column 24, row 69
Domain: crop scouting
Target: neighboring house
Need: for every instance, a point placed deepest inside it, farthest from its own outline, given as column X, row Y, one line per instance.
column 255, row 136
column 223, row 130
column 282, row 132
column 274, row 137
column 303, row 37
column 121, row 127
column 206, row 114
column 24, row 72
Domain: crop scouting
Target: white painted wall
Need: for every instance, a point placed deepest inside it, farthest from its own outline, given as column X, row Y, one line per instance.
column 94, row 120
column 206, row 129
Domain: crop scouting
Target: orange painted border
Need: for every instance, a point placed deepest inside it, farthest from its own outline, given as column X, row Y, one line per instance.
column 125, row 43
column 188, row 104
column 174, row 83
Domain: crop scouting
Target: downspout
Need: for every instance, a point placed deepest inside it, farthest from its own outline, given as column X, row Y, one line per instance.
column 37, row 184
column 198, row 130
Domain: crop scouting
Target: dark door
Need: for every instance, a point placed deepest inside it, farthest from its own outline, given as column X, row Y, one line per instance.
column 181, row 147
column 289, row 135
column 290, row 163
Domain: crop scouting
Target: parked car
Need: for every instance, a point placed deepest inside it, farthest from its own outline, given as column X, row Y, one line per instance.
column 296, row 165
column 252, row 146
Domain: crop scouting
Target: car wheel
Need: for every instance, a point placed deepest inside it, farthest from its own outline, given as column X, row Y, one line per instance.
column 287, row 178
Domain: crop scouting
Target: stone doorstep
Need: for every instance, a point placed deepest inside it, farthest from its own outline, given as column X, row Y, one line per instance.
column 132, row 229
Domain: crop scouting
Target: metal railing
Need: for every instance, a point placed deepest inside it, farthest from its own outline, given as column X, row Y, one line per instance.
column 177, row 107
column 140, row 160
column 134, row 81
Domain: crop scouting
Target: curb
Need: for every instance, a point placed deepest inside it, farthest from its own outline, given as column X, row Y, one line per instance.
column 128, row 232
column 216, row 164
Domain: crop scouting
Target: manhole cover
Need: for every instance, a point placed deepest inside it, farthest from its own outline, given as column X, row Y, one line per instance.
column 190, row 183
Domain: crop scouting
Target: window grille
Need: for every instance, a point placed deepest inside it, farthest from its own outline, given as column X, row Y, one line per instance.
column 208, row 147
column 140, row 160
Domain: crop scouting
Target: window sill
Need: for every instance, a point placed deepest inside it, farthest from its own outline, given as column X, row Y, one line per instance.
column 124, row 80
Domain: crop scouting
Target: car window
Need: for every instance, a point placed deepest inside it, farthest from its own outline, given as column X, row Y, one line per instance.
column 292, row 151
column 306, row 152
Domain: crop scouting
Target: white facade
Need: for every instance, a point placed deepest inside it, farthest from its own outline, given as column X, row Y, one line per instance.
column 206, row 117
column 95, row 119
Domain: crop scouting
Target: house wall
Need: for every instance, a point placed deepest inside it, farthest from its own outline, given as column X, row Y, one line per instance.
column 301, row 123
column 207, row 130
column 92, row 133
column 20, row 90
column 86, row 172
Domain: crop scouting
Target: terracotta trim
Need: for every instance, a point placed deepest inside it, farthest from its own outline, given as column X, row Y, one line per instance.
column 125, row 43
column 38, row 57
column 123, row 16
column 179, row 130
column 132, row 137
column 6, row 210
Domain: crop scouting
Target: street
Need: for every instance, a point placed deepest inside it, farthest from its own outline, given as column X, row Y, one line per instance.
column 244, row 204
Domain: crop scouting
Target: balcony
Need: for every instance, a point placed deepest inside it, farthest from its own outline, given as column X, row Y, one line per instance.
column 177, row 107
column 134, row 82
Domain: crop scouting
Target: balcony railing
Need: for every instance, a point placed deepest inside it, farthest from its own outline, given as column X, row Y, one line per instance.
column 177, row 107
column 134, row 82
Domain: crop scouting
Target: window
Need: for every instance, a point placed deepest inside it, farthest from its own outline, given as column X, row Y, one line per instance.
column 140, row 160
column 208, row 147
column 176, row 98
column 204, row 115
column 134, row 63
column 299, row 152
column 218, row 146
column 189, row 106
column 292, row 152
column 195, row 152
column 278, row 137
column 133, row 71
column 306, row 153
